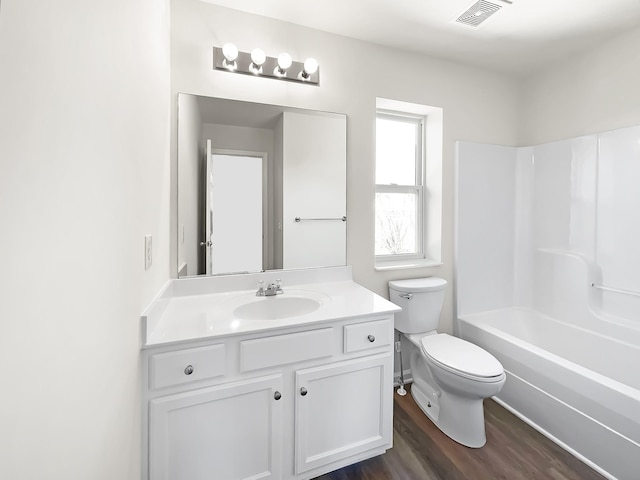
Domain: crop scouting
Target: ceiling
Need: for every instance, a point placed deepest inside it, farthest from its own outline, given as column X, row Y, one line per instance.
column 518, row 39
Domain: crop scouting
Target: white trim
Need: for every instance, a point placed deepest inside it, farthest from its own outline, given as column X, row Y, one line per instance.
column 431, row 118
column 418, row 187
column 408, row 264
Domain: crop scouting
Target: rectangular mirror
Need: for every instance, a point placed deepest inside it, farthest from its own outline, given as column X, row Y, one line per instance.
column 260, row 187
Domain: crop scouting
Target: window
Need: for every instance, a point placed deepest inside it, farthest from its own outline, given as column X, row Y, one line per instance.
column 399, row 186
column 407, row 228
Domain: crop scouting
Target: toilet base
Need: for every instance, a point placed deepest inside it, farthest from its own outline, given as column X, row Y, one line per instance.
column 428, row 402
column 461, row 419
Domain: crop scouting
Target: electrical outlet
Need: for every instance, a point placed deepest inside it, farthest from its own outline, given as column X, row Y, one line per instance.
column 398, row 346
column 148, row 252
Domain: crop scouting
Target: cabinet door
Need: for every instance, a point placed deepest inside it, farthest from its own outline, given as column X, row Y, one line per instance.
column 230, row 432
column 342, row 410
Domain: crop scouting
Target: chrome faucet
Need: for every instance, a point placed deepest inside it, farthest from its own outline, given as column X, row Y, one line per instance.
column 271, row 290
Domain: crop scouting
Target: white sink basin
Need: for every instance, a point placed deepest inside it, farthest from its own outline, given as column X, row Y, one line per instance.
column 289, row 304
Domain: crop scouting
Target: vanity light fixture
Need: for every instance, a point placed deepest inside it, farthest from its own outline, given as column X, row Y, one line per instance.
column 257, row 63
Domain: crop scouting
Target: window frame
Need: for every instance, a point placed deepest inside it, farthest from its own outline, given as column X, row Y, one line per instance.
column 419, row 187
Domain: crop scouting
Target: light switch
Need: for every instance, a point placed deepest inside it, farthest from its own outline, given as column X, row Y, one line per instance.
column 148, row 252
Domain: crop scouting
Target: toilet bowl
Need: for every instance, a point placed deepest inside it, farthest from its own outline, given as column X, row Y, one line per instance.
column 451, row 377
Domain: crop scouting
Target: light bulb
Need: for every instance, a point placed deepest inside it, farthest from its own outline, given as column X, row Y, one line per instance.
column 230, row 52
column 310, row 66
column 258, row 56
column 284, row 61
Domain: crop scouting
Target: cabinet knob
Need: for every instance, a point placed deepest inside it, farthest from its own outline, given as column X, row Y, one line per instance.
column 277, row 395
column 303, row 391
column 188, row 370
column 371, row 338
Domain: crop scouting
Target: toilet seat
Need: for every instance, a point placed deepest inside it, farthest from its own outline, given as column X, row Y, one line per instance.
column 461, row 358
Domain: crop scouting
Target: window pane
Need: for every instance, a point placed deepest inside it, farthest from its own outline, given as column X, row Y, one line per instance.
column 395, row 152
column 396, row 224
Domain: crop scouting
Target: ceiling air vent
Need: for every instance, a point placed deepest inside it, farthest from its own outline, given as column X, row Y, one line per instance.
column 478, row 13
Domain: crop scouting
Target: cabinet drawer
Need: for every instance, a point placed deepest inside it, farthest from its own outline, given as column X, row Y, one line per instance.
column 362, row 336
column 283, row 349
column 175, row 368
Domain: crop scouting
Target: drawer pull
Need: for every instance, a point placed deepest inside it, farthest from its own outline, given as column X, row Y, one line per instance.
column 277, row 395
column 303, row 391
column 188, row 370
column 371, row 338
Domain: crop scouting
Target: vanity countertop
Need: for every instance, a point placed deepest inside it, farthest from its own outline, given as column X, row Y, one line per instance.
column 180, row 316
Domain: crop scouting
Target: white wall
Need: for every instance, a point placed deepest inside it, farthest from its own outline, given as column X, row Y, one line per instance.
column 486, row 212
column 478, row 105
column 84, row 175
column 588, row 93
column 248, row 139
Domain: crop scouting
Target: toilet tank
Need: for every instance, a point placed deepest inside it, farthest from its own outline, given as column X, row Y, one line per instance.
column 421, row 300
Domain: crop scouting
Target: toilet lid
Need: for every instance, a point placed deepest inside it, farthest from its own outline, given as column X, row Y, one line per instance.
column 415, row 285
column 459, row 355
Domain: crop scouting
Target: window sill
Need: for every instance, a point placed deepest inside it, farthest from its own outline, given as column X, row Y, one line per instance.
column 406, row 264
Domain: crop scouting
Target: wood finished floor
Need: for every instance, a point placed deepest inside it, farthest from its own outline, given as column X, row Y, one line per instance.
column 514, row 451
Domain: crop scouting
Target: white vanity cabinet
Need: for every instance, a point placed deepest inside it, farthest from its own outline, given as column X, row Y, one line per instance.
column 341, row 410
column 290, row 403
column 227, row 431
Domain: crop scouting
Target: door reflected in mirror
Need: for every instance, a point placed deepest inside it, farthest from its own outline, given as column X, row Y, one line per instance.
column 235, row 211
column 260, row 187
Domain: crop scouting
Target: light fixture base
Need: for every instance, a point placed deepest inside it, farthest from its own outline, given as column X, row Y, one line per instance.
column 243, row 65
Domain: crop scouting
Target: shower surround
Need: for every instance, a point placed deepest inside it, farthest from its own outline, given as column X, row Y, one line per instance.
column 547, row 279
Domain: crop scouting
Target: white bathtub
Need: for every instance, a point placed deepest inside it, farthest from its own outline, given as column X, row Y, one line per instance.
column 578, row 387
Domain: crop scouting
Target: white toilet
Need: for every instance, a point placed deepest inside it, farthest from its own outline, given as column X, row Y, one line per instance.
column 451, row 377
